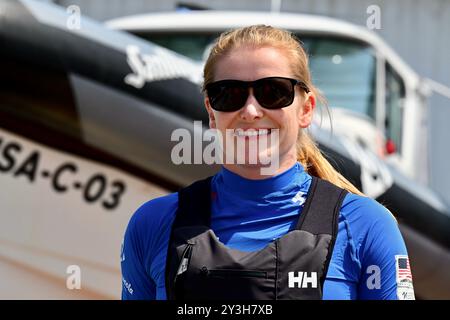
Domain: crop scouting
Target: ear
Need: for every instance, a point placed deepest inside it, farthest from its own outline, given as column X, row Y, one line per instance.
column 212, row 118
column 306, row 111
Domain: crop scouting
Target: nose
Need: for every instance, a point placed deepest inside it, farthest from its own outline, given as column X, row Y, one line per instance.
column 252, row 109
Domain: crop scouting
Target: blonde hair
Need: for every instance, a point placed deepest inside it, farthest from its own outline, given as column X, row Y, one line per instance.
column 308, row 154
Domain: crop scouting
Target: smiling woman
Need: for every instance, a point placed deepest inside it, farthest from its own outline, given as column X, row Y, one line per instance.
column 301, row 232
column 261, row 109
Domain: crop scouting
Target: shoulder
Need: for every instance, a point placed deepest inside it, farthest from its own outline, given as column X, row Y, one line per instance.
column 155, row 210
column 365, row 214
column 373, row 228
column 361, row 220
column 151, row 220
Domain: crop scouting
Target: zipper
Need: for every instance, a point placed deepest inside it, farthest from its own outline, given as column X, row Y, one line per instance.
column 185, row 258
column 182, row 268
column 231, row 273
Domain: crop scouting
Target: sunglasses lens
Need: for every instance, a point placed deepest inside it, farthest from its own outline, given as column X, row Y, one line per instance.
column 274, row 93
column 231, row 95
column 227, row 95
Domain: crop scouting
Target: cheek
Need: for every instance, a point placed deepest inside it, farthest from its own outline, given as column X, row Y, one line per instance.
column 292, row 127
column 290, row 120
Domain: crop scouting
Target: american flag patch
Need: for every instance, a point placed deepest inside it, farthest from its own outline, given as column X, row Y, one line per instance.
column 403, row 269
column 405, row 289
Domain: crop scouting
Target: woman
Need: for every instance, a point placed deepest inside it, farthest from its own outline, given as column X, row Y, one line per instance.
column 242, row 234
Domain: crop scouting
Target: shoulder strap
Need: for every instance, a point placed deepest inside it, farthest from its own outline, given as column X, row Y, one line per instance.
column 194, row 204
column 321, row 211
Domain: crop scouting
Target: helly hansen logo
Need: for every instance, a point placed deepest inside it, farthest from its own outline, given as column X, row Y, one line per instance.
column 302, row 279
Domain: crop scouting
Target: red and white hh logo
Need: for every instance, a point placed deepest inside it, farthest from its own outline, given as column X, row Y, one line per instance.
column 302, row 280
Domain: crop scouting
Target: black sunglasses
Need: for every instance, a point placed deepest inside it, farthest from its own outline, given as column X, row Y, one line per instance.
column 271, row 93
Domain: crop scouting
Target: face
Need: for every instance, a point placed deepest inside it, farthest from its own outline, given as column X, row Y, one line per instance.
column 249, row 64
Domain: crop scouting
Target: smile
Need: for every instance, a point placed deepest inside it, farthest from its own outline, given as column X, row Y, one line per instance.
column 251, row 132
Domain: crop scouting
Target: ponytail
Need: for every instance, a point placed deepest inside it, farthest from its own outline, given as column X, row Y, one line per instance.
column 314, row 162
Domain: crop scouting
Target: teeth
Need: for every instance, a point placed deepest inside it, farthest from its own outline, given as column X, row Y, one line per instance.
column 251, row 132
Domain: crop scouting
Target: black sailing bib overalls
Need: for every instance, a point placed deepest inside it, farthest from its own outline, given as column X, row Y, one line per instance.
column 200, row 267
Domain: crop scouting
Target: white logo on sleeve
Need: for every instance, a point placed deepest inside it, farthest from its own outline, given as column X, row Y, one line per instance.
column 299, row 197
column 302, row 279
column 122, row 252
column 127, row 286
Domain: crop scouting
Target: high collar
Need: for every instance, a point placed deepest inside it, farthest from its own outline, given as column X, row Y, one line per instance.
column 261, row 187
